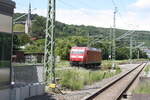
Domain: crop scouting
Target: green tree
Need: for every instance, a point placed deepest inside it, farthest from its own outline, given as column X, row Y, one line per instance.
column 122, row 53
column 36, row 46
column 24, row 39
column 38, row 27
column 20, row 40
column 63, row 46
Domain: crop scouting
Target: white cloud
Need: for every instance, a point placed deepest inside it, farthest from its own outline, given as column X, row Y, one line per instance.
column 20, row 10
column 133, row 20
column 41, row 12
column 142, row 4
column 85, row 16
column 99, row 18
column 103, row 18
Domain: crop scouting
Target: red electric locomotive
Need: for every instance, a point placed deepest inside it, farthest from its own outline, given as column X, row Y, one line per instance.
column 85, row 56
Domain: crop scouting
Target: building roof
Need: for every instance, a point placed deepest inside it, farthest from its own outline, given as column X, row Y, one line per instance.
column 7, row 7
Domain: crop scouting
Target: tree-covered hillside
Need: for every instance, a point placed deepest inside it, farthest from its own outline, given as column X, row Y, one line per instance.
column 38, row 27
column 76, row 35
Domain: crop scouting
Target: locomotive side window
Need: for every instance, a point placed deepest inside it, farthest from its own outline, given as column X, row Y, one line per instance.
column 77, row 52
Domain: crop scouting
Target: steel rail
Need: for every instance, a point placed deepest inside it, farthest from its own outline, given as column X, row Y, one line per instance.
column 105, row 87
column 124, row 91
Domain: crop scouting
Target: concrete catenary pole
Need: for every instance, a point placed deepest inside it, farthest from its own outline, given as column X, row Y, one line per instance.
column 28, row 23
column 114, row 38
column 138, row 56
column 131, row 47
column 110, row 44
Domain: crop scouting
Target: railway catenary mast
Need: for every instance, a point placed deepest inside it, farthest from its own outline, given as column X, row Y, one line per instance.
column 49, row 58
column 131, row 48
column 114, row 38
column 28, row 23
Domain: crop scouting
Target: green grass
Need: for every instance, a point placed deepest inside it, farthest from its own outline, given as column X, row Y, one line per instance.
column 58, row 64
column 144, row 88
column 107, row 64
column 71, row 79
column 77, row 78
column 19, row 28
column 62, row 64
column 25, row 64
column 147, row 69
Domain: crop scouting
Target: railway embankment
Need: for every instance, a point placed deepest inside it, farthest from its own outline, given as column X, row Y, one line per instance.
column 89, row 89
column 76, row 82
column 142, row 91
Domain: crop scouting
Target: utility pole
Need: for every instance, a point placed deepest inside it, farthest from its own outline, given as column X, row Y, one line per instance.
column 114, row 38
column 110, row 44
column 88, row 40
column 28, row 23
column 138, row 56
column 131, row 47
column 49, row 58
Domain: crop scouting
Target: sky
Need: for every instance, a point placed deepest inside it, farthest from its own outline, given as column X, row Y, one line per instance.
column 131, row 14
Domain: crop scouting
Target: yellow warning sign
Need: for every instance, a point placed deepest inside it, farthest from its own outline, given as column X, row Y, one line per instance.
column 52, row 85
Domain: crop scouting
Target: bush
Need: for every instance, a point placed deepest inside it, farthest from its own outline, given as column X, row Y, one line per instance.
column 71, row 79
column 76, row 79
column 147, row 69
column 106, row 64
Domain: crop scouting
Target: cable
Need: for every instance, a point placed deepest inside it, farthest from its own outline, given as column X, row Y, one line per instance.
column 73, row 7
column 67, row 4
column 81, row 2
column 119, row 13
column 114, row 4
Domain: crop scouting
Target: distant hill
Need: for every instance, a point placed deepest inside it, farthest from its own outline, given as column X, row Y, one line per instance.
column 64, row 30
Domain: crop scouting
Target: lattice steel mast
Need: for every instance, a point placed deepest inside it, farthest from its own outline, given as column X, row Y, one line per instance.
column 49, row 58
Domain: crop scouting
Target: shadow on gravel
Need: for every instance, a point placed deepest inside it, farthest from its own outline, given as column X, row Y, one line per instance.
column 95, row 68
column 41, row 97
column 91, row 67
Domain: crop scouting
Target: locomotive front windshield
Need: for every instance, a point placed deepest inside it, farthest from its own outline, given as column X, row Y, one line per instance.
column 77, row 52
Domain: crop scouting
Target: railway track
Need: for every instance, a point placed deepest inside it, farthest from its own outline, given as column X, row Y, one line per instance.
column 116, row 88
